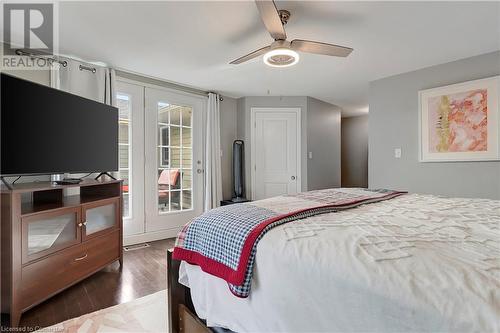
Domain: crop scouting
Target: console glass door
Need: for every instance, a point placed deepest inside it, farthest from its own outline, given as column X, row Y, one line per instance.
column 46, row 233
column 100, row 217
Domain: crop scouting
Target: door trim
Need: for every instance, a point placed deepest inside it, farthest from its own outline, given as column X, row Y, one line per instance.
column 253, row 125
column 151, row 236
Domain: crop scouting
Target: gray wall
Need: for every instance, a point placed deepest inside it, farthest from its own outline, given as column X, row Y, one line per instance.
column 323, row 141
column 319, row 126
column 228, row 118
column 355, row 151
column 394, row 123
column 243, row 128
column 38, row 76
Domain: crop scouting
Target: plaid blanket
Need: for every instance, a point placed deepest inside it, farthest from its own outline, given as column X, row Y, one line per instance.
column 223, row 241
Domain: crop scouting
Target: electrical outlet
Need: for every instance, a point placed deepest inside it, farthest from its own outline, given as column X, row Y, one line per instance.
column 310, row 155
column 397, row 153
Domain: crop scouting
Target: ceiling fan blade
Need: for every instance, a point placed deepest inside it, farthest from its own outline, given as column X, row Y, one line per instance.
column 320, row 48
column 251, row 55
column 271, row 18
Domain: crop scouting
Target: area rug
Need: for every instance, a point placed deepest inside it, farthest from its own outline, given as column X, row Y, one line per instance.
column 146, row 314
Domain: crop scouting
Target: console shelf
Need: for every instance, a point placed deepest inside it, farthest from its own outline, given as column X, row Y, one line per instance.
column 54, row 236
column 30, row 207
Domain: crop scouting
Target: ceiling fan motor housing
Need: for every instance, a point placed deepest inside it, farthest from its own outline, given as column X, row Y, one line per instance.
column 281, row 55
column 281, row 60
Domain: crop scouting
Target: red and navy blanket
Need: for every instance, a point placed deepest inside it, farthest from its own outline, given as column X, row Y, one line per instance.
column 223, row 241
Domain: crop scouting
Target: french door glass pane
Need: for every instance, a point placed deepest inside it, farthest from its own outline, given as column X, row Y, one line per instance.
column 174, row 146
column 187, row 116
column 175, row 115
column 164, row 157
column 175, row 158
column 123, row 132
column 124, row 103
column 175, row 200
column 175, row 136
column 163, row 113
column 186, row 199
column 126, row 195
column 124, row 156
column 186, row 137
column 186, row 178
column 187, row 157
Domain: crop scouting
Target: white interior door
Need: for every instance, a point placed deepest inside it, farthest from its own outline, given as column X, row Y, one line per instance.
column 275, row 152
column 173, row 151
column 130, row 102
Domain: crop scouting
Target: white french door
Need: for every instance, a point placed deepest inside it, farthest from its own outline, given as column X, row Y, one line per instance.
column 160, row 154
column 130, row 103
column 173, row 153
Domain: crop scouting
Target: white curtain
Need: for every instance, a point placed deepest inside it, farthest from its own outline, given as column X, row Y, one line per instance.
column 85, row 79
column 213, row 177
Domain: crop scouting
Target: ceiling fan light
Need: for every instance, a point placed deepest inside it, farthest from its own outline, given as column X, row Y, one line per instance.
column 281, row 57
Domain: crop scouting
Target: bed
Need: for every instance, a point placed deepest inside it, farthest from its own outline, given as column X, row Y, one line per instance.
column 410, row 263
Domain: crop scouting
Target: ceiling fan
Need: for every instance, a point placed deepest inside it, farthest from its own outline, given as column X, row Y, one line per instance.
column 282, row 53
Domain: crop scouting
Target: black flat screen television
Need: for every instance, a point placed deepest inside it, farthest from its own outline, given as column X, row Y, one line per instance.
column 49, row 131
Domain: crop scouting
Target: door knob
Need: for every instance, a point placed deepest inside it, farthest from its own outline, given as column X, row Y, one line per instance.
column 293, row 177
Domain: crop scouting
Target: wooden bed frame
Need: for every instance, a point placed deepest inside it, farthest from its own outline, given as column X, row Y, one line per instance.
column 181, row 315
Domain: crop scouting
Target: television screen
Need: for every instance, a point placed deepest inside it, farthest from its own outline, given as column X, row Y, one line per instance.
column 48, row 131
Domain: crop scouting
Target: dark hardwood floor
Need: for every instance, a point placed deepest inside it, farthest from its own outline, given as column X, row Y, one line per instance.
column 143, row 273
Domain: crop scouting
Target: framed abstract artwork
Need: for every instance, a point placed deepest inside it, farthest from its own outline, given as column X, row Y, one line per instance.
column 460, row 122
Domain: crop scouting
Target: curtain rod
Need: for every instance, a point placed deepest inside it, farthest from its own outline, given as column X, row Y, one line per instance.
column 20, row 52
column 124, row 73
column 220, row 96
column 87, row 68
column 64, row 63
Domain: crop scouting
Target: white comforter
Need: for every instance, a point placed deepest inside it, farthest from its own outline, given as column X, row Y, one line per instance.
column 414, row 263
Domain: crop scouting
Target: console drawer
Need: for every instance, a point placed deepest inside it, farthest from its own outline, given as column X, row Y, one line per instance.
column 47, row 276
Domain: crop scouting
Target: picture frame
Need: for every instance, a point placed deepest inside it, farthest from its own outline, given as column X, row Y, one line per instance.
column 460, row 122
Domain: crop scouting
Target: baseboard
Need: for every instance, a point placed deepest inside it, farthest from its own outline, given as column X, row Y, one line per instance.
column 150, row 236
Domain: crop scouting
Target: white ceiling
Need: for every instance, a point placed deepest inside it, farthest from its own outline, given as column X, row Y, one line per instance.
column 192, row 42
